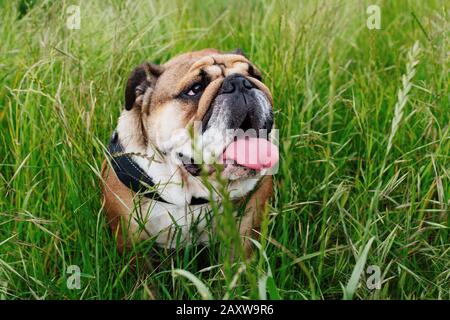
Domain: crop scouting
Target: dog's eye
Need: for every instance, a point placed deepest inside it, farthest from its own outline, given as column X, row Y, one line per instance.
column 195, row 89
column 252, row 72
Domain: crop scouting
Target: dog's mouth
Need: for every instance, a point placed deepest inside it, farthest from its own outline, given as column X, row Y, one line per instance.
column 243, row 156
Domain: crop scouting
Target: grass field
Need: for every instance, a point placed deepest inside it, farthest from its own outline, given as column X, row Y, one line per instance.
column 364, row 172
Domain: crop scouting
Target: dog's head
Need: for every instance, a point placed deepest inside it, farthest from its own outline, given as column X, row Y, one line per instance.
column 197, row 107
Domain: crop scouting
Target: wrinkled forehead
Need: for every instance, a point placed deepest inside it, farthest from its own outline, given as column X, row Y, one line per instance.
column 215, row 65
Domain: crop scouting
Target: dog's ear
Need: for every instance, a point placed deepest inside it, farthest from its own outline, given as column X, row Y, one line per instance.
column 142, row 78
column 239, row 51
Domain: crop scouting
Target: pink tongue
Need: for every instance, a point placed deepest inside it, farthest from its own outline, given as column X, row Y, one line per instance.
column 252, row 153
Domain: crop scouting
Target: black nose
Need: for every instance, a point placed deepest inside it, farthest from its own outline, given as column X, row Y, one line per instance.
column 236, row 82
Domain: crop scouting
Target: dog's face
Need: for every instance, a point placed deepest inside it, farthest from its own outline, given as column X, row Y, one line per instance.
column 194, row 102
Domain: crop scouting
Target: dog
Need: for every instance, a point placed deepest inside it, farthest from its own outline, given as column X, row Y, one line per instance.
column 151, row 184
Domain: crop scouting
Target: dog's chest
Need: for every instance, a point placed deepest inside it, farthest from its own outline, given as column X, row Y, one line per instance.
column 171, row 225
column 175, row 222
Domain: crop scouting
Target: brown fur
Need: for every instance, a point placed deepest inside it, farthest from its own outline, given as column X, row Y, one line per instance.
column 254, row 211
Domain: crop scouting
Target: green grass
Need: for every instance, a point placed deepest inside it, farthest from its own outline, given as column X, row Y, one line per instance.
column 363, row 180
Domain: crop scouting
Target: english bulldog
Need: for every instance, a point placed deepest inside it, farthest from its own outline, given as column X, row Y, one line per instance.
column 201, row 121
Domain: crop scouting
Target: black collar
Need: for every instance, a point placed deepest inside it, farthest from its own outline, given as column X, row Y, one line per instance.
column 132, row 176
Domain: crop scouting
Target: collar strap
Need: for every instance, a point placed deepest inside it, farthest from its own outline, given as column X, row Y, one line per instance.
column 132, row 176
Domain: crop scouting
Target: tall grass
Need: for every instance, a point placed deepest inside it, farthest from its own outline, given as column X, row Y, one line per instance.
column 358, row 166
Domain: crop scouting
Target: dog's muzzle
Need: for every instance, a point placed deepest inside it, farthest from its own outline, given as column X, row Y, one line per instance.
column 239, row 104
column 235, row 130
